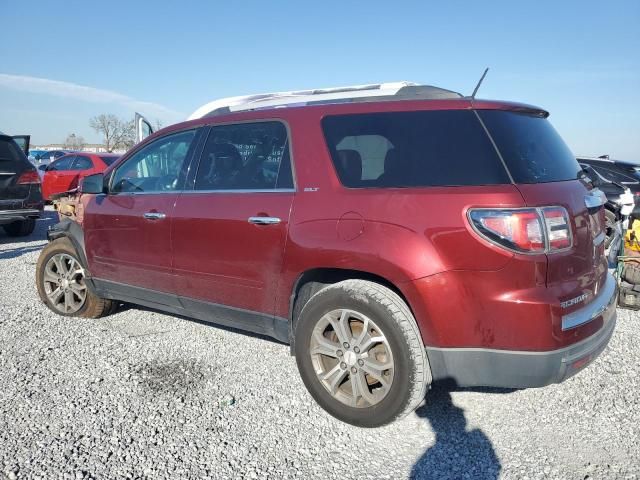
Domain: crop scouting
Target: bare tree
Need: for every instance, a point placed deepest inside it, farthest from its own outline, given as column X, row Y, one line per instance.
column 116, row 133
column 74, row 142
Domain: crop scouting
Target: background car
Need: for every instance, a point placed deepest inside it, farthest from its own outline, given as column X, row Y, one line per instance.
column 45, row 157
column 62, row 174
column 20, row 196
column 625, row 174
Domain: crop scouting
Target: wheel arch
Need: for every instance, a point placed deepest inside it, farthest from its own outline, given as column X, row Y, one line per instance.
column 311, row 281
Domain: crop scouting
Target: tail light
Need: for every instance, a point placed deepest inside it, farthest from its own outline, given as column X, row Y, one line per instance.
column 28, row 177
column 524, row 230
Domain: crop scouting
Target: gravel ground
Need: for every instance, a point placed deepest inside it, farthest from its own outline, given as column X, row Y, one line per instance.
column 145, row 395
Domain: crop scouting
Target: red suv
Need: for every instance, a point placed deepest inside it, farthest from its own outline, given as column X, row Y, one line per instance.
column 63, row 174
column 393, row 236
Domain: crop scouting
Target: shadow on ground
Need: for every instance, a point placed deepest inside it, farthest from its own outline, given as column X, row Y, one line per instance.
column 48, row 218
column 457, row 452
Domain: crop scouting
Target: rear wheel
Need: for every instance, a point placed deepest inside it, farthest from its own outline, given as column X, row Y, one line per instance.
column 61, row 283
column 360, row 354
column 21, row 228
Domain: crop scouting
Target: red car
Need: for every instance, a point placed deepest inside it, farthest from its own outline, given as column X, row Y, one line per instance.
column 393, row 236
column 63, row 174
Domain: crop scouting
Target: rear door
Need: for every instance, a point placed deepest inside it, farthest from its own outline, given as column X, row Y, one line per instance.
column 81, row 166
column 547, row 174
column 13, row 163
column 229, row 232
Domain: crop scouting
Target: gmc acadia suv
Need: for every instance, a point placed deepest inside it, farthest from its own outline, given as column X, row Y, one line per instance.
column 392, row 234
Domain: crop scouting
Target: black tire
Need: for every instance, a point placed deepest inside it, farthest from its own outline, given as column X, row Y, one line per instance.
column 610, row 227
column 412, row 373
column 21, row 228
column 93, row 306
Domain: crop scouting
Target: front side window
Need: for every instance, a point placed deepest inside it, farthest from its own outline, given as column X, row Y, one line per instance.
column 245, row 156
column 158, row 167
column 412, row 149
column 62, row 164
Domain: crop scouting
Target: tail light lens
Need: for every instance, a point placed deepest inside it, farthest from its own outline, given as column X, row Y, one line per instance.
column 28, row 177
column 525, row 230
column 558, row 229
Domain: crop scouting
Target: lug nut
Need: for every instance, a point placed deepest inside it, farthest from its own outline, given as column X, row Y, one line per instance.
column 343, row 365
column 345, row 345
column 356, row 349
column 354, row 369
column 361, row 362
column 339, row 353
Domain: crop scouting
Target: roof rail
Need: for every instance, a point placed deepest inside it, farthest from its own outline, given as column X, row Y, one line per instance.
column 375, row 91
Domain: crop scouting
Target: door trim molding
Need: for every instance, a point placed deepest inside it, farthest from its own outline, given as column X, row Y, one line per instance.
column 214, row 313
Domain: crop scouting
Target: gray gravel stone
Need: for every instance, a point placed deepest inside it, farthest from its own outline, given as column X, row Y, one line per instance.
column 138, row 395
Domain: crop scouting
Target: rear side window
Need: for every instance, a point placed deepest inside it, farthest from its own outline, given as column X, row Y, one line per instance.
column 531, row 147
column 412, row 149
column 82, row 163
column 10, row 151
column 246, row 156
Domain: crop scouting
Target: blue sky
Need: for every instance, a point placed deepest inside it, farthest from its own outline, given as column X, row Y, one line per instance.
column 578, row 59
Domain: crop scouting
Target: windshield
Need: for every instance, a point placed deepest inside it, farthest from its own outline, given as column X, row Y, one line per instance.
column 530, row 146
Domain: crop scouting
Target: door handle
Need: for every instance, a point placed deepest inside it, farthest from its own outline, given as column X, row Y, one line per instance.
column 264, row 220
column 154, row 216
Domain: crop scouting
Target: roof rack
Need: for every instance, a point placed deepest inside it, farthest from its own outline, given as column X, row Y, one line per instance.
column 355, row 93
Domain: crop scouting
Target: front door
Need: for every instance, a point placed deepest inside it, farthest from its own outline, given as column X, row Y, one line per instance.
column 128, row 230
column 229, row 232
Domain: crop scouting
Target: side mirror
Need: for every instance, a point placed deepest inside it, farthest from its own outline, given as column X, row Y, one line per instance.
column 92, row 184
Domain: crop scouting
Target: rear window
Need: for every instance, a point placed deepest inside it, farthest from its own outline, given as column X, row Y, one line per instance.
column 108, row 160
column 530, row 146
column 10, row 151
column 412, row 149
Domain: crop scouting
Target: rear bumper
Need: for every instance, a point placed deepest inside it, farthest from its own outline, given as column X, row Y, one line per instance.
column 469, row 367
column 10, row 216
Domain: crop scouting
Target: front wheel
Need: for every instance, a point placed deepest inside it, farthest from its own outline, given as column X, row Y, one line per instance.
column 60, row 278
column 360, row 353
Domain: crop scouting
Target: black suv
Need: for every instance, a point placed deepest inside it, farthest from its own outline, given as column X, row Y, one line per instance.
column 20, row 194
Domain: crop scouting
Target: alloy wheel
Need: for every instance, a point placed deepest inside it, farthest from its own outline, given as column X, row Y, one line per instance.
column 352, row 358
column 64, row 283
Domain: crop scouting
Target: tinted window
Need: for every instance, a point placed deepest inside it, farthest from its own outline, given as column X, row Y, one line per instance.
column 10, row 151
column 530, row 146
column 62, row 164
column 108, row 160
column 412, row 149
column 247, row 156
column 82, row 163
column 157, row 167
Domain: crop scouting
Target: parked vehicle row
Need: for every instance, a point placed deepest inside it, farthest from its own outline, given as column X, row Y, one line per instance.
column 393, row 234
